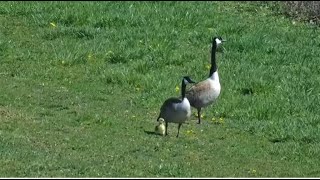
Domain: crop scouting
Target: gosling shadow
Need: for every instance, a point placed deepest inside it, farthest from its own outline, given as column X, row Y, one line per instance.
column 150, row 132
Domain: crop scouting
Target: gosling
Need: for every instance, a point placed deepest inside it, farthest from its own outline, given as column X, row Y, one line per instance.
column 160, row 128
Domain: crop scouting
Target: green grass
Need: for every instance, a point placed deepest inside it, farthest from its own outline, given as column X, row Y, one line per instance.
column 79, row 98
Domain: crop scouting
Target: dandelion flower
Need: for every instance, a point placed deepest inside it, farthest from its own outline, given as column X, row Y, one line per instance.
column 109, row 53
column 177, row 88
column 214, row 120
column 91, row 58
column 208, row 66
column 53, row 24
column 221, row 120
column 189, row 131
column 254, row 171
column 201, row 115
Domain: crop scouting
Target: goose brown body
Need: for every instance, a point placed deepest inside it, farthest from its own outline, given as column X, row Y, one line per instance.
column 204, row 93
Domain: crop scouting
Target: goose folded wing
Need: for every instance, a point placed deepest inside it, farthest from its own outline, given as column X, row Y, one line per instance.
column 197, row 91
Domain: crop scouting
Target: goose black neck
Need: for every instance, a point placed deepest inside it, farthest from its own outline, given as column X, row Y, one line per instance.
column 213, row 59
column 183, row 89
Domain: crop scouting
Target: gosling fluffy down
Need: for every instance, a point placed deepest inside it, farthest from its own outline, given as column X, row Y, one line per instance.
column 160, row 128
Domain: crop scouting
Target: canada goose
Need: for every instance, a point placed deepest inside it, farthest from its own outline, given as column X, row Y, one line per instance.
column 175, row 110
column 160, row 128
column 207, row 91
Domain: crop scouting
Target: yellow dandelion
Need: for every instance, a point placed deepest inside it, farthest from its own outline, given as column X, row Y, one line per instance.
column 214, row 120
column 109, row 53
column 189, row 131
column 254, row 171
column 137, row 89
column 221, row 120
column 177, row 88
column 90, row 58
column 53, row 24
column 208, row 66
column 201, row 115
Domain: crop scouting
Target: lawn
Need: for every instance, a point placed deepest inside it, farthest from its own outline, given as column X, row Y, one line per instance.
column 81, row 85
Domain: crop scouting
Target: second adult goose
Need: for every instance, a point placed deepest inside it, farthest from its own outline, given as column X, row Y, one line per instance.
column 206, row 92
column 175, row 110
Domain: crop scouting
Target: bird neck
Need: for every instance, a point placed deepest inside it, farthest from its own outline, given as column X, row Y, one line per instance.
column 214, row 66
column 183, row 89
column 214, row 76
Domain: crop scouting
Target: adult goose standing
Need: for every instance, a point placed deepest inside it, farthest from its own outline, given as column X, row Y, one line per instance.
column 207, row 91
column 176, row 110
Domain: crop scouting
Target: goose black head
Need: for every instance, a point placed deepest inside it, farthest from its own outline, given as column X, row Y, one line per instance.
column 217, row 41
column 187, row 80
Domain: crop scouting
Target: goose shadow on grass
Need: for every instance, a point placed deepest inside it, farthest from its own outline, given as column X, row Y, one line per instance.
column 150, row 132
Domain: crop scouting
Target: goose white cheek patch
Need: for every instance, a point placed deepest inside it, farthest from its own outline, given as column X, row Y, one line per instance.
column 218, row 41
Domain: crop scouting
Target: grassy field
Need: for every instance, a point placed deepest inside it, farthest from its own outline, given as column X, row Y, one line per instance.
column 81, row 85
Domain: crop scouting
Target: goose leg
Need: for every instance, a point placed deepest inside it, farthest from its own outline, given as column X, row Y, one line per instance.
column 166, row 128
column 179, row 129
column 199, row 115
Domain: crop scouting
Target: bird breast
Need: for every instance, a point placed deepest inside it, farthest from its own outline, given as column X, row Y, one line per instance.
column 212, row 95
column 183, row 109
column 204, row 93
column 184, row 106
column 160, row 129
